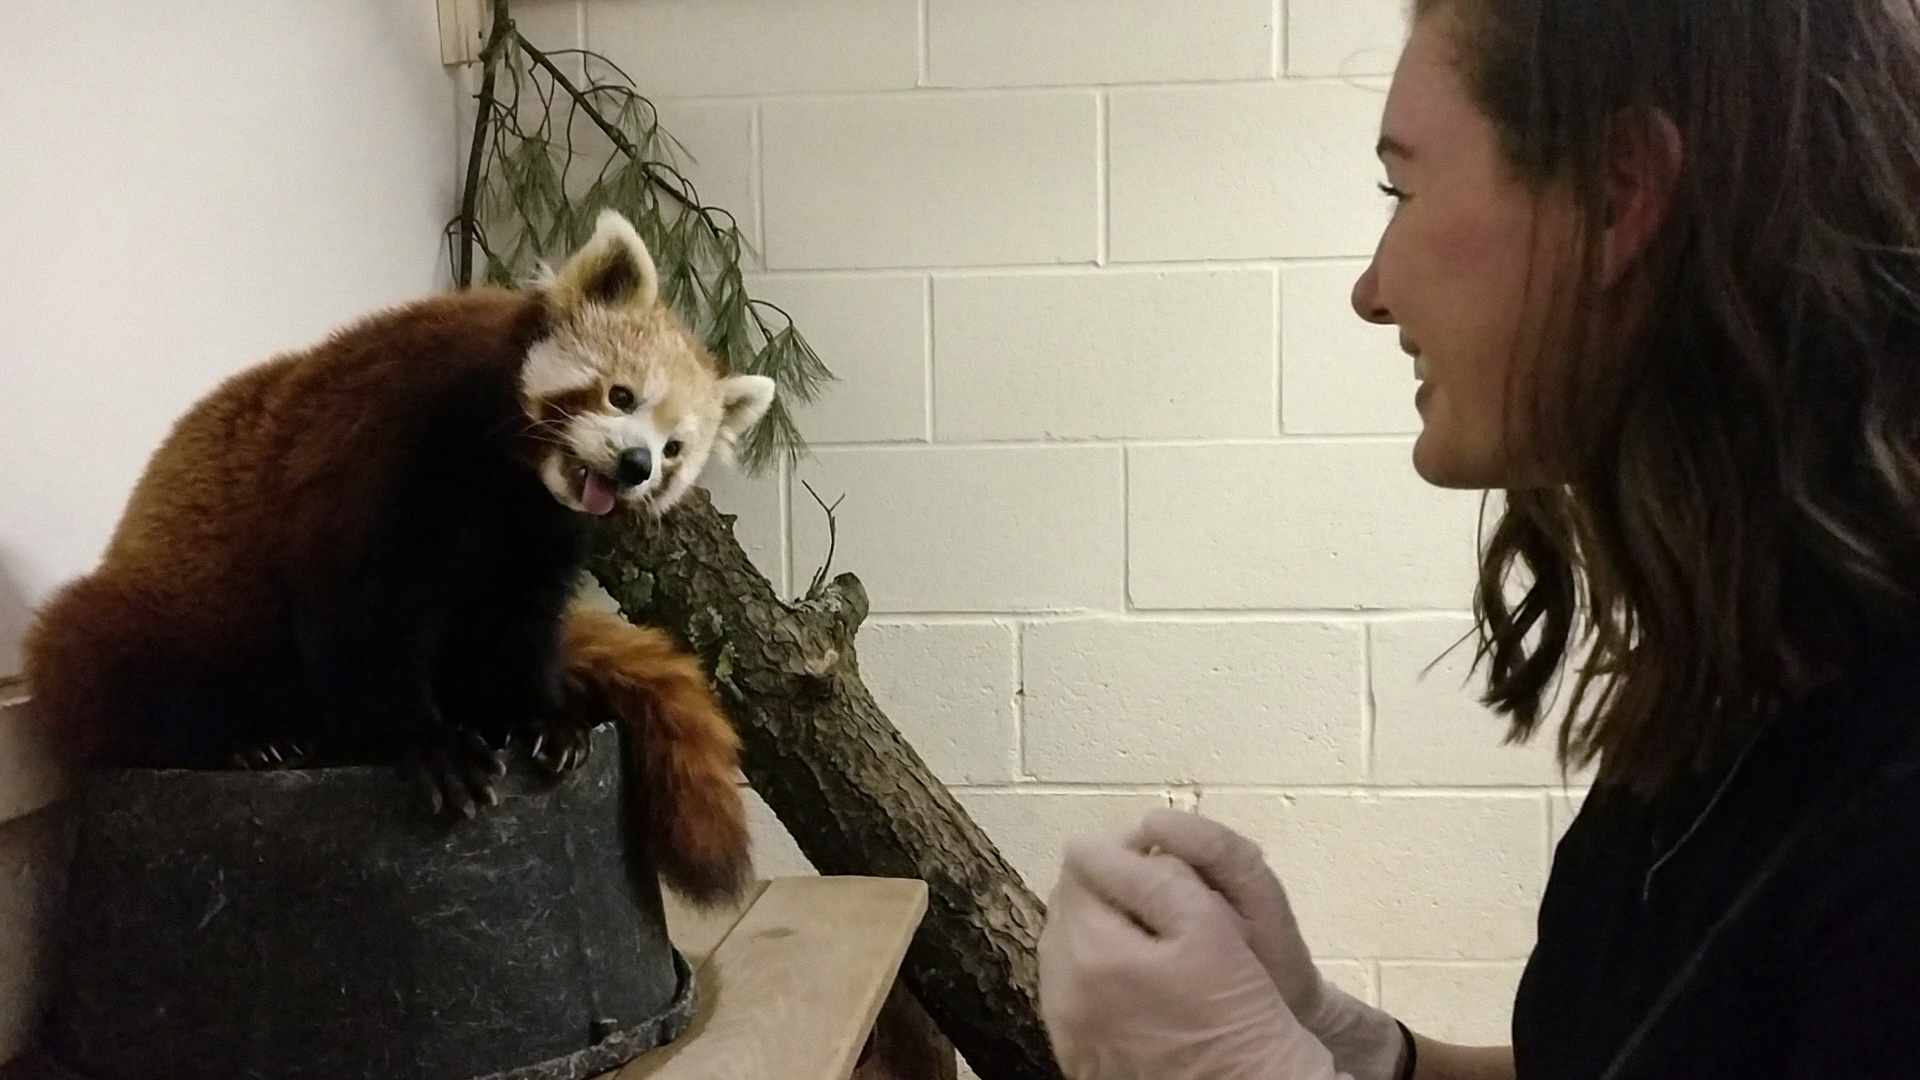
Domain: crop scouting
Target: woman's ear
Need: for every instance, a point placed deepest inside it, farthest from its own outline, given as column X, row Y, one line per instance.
column 1644, row 155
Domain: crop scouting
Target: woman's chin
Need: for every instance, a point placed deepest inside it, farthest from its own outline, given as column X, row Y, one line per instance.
column 1444, row 462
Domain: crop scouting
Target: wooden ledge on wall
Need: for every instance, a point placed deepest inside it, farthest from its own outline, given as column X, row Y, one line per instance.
column 800, row 981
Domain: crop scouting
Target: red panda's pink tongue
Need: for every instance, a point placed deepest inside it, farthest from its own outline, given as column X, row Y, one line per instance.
column 597, row 494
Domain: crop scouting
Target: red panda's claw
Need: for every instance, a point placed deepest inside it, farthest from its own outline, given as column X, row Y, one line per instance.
column 561, row 750
column 457, row 774
column 484, row 753
column 272, row 755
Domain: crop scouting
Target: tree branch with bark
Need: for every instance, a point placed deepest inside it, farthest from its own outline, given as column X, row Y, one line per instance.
column 854, row 794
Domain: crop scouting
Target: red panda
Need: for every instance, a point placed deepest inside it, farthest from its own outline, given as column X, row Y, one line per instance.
column 367, row 551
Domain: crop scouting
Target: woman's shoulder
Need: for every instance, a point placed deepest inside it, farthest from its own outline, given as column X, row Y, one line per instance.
column 1851, row 931
column 1868, row 838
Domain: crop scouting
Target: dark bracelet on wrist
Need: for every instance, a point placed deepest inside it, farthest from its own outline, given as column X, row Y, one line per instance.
column 1410, row 1061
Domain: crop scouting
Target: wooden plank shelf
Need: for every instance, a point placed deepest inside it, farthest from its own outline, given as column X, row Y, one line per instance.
column 790, row 982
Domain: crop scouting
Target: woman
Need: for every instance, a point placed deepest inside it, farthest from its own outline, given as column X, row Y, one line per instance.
column 1658, row 265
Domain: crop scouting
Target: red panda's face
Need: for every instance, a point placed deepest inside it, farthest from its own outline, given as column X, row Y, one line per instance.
column 626, row 404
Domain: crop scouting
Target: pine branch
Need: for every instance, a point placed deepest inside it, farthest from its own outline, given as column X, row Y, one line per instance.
column 520, row 181
column 612, row 133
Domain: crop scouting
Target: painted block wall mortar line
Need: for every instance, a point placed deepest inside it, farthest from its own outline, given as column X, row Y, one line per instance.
column 1368, row 80
column 1282, row 13
column 756, row 183
column 1126, row 526
column 1020, row 770
column 929, row 359
column 884, row 446
column 1103, row 172
column 1367, row 725
column 1547, row 836
column 1279, row 351
column 1208, row 616
column 1063, row 267
column 925, row 43
column 786, row 528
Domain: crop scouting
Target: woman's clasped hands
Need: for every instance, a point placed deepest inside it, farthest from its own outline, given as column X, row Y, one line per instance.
column 1171, row 953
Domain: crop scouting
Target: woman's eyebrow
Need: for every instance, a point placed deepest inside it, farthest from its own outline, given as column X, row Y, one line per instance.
column 1391, row 146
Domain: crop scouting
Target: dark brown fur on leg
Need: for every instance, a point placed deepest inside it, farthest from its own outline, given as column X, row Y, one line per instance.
column 685, row 752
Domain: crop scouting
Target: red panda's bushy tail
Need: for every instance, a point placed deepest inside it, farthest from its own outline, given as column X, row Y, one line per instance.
column 93, row 657
column 683, row 749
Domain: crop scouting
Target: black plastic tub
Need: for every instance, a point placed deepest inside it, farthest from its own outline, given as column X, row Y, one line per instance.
column 315, row 925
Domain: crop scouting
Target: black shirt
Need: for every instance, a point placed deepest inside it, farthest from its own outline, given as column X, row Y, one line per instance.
column 1817, row 972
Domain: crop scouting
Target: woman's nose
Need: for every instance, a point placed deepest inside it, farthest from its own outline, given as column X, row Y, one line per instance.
column 1366, row 298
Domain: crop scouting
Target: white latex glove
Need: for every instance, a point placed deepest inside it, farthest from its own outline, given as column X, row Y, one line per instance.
column 1364, row 1041
column 1145, row 974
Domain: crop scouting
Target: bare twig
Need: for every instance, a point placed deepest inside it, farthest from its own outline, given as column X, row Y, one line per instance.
column 833, row 541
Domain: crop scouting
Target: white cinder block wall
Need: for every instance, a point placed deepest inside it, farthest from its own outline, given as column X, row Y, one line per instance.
column 1127, row 480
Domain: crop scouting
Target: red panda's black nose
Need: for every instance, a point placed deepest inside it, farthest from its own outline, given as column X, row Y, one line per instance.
column 636, row 465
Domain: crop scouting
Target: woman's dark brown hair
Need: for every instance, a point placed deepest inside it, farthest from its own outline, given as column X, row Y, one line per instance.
column 1742, row 512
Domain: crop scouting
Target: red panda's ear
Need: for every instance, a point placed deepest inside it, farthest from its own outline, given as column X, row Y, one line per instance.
column 744, row 399
column 613, row 269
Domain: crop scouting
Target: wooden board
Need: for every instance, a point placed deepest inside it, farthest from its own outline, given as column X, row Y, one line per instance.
column 792, row 989
column 696, row 932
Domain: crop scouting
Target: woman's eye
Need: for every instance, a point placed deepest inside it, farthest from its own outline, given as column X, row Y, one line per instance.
column 672, row 449
column 622, row 398
column 1393, row 193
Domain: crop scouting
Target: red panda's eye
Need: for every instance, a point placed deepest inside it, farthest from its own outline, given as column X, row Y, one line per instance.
column 622, row 398
column 672, row 449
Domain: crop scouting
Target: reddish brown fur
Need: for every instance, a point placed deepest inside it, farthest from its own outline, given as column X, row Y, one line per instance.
column 183, row 646
column 681, row 741
column 273, row 477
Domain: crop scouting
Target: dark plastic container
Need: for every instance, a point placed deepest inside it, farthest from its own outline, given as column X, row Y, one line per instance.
column 315, row 925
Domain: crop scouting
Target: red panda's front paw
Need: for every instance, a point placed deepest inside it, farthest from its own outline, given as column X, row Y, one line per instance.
column 455, row 773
